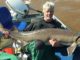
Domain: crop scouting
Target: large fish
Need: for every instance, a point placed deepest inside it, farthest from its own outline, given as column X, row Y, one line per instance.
column 65, row 37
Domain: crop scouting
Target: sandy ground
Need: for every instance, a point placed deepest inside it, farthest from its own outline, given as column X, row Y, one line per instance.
column 66, row 10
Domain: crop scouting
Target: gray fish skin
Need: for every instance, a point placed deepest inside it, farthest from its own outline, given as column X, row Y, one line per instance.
column 66, row 37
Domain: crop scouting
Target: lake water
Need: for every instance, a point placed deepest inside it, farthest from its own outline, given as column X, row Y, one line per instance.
column 66, row 10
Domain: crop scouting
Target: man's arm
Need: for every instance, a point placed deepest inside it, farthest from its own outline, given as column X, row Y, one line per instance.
column 59, row 25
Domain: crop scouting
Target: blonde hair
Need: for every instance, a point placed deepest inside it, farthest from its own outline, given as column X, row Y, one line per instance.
column 48, row 5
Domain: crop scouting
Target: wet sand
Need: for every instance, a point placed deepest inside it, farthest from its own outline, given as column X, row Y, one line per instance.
column 66, row 10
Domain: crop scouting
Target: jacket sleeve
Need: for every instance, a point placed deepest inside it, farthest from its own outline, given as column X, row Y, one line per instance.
column 58, row 25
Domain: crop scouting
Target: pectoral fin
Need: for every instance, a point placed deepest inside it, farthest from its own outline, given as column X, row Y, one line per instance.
column 71, row 48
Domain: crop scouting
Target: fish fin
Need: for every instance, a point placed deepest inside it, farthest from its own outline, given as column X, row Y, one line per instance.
column 71, row 48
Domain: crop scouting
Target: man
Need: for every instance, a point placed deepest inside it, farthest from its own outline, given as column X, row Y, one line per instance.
column 39, row 50
column 47, row 21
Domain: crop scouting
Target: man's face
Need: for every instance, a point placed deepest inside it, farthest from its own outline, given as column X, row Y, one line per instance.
column 48, row 13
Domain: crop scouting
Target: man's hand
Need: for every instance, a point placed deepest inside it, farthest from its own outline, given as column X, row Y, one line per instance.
column 54, row 42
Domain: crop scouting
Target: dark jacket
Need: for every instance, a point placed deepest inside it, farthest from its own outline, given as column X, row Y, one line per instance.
column 47, row 53
column 42, row 24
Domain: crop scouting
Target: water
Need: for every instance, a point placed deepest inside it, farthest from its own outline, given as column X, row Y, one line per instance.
column 66, row 10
